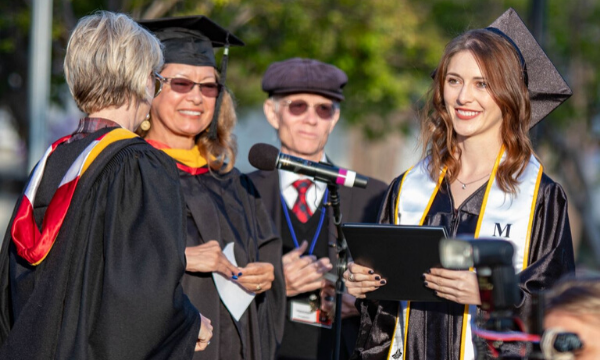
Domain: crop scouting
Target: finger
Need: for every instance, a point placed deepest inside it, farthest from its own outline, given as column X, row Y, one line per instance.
column 258, row 268
column 308, row 274
column 360, row 292
column 295, row 254
column 259, row 272
column 448, row 274
column 361, row 277
column 324, row 263
column 432, row 279
column 310, row 286
column 323, row 267
column 254, row 285
column 438, row 283
column 300, row 263
column 359, row 269
column 227, row 269
column 363, row 286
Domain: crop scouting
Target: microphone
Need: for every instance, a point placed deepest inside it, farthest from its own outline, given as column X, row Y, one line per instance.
column 267, row 157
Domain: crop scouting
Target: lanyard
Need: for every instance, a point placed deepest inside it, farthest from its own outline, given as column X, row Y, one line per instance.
column 291, row 227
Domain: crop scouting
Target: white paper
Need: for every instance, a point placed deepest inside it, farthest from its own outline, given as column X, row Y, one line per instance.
column 235, row 298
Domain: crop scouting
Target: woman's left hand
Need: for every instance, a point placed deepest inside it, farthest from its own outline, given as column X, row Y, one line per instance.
column 257, row 277
column 458, row 286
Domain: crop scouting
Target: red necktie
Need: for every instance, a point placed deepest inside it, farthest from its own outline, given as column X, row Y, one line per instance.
column 301, row 209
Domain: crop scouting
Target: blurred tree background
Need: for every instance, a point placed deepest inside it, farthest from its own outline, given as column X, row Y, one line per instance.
column 388, row 48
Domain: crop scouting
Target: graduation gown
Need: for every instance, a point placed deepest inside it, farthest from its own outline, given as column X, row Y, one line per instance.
column 228, row 209
column 434, row 329
column 110, row 286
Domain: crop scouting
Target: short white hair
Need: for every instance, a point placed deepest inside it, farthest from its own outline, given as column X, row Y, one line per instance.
column 108, row 60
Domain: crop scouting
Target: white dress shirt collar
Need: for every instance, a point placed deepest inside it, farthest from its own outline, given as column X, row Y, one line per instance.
column 314, row 195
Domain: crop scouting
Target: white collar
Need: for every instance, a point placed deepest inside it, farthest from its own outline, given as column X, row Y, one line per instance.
column 314, row 194
column 287, row 178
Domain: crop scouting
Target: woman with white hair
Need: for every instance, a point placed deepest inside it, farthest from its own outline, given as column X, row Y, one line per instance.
column 97, row 236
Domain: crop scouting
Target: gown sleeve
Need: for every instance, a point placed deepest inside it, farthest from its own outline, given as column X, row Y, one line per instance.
column 271, row 304
column 551, row 250
column 142, row 311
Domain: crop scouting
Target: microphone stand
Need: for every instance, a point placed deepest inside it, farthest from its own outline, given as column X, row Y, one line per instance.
column 342, row 262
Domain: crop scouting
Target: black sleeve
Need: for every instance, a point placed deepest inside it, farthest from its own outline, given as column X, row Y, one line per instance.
column 551, row 249
column 142, row 309
column 272, row 303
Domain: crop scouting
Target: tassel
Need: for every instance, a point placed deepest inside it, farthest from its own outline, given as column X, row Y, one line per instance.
column 214, row 124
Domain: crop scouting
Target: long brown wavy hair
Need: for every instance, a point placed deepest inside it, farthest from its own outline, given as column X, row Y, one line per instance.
column 221, row 152
column 500, row 65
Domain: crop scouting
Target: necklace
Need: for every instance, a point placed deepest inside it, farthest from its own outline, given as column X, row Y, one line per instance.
column 464, row 185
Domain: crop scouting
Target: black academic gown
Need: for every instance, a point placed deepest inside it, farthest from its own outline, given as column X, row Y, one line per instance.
column 357, row 205
column 110, row 286
column 435, row 328
column 227, row 208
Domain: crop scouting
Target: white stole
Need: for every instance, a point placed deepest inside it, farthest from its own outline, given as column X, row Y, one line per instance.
column 501, row 215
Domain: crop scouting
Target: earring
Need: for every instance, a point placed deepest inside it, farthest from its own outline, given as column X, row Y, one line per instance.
column 145, row 125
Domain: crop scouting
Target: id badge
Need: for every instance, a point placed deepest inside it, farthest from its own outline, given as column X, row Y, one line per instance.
column 303, row 312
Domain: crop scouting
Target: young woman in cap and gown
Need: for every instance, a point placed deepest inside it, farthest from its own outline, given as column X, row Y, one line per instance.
column 479, row 177
column 92, row 262
column 234, row 272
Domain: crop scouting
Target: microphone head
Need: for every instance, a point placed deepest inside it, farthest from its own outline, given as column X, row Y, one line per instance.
column 263, row 156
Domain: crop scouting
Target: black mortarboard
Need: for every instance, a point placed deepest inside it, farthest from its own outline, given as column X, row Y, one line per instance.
column 547, row 88
column 304, row 76
column 190, row 40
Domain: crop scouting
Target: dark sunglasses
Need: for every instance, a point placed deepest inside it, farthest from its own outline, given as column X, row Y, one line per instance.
column 158, row 83
column 183, row 86
column 298, row 107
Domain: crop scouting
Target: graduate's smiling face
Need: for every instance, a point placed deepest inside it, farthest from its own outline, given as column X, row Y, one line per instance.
column 303, row 123
column 177, row 117
column 473, row 111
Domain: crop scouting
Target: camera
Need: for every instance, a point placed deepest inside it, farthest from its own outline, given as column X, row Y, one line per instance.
column 500, row 333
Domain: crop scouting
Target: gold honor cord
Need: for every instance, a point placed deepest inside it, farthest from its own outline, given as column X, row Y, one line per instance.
column 396, row 221
column 490, row 188
column 531, row 215
column 477, row 229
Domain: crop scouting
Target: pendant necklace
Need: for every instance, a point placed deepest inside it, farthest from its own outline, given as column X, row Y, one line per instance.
column 464, row 185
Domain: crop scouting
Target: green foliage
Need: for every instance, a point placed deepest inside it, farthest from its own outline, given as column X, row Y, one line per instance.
column 388, row 48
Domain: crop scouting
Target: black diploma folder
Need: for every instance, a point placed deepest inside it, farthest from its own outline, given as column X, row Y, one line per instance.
column 401, row 254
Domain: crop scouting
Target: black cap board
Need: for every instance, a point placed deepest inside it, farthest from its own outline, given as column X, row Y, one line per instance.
column 190, row 39
column 547, row 88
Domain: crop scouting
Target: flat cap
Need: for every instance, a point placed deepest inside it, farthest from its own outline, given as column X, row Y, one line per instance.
column 547, row 88
column 304, row 76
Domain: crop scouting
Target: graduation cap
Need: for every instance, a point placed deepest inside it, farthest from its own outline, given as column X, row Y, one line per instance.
column 547, row 88
column 191, row 40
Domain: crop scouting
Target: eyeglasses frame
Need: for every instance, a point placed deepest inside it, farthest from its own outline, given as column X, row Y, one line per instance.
column 165, row 80
column 335, row 105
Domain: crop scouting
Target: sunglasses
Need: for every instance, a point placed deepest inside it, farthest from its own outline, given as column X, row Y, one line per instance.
column 183, row 86
column 298, row 107
column 158, row 83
